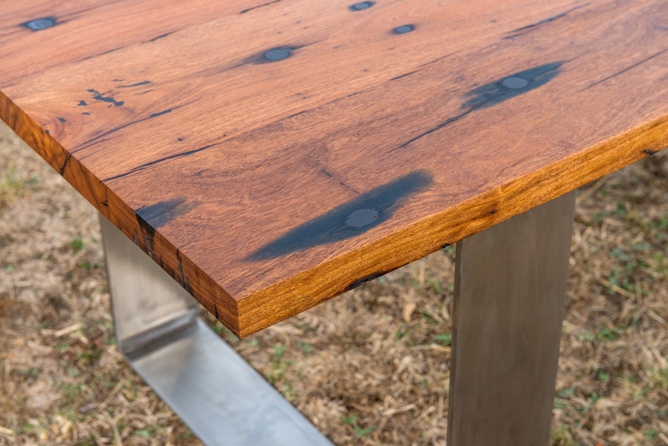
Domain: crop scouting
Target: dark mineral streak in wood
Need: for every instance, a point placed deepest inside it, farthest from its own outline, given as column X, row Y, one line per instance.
column 336, row 224
column 159, row 214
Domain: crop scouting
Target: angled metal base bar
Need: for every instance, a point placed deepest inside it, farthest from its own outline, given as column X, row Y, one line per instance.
column 214, row 391
column 510, row 287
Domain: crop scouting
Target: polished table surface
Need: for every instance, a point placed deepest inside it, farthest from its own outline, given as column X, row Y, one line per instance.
column 270, row 155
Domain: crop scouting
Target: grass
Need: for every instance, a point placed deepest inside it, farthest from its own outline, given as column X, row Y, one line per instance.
column 14, row 184
column 359, row 431
column 77, row 243
column 281, row 373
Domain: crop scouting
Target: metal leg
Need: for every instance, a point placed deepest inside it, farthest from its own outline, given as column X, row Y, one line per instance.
column 508, row 312
column 214, row 391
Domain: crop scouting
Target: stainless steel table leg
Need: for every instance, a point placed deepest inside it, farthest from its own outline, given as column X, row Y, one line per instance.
column 214, row 391
column 508, row 312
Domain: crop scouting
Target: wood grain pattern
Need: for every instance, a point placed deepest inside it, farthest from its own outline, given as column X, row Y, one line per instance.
column 270, row 155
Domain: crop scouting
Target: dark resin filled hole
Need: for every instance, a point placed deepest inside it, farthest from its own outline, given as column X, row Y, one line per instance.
column 40, row 24
column 361, row 6
column 277, row 54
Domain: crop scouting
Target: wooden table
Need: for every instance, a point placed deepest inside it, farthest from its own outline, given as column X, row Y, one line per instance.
column 270, row 155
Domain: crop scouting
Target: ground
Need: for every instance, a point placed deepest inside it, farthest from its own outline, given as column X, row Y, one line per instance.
column 370, row 367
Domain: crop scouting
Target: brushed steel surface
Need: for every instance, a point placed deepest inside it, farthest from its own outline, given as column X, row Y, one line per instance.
column 510, row 287
column 214, row 391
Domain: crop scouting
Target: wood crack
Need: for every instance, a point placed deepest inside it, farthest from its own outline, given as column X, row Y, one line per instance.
column 635, row 65
column 67, row 160
column 97, row 139
column 259, row 6
column 523, row 30
column 161, row 36
column 436, row 128
column 100, row 54
column 158, row 161
column 419, row 69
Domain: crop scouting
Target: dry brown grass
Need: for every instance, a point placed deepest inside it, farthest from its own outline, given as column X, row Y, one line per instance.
column 369, row 368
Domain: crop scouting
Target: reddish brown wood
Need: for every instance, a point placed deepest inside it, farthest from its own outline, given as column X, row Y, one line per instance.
column 238, row 174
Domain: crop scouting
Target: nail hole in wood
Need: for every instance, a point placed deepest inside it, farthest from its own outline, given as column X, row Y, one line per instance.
column 276, row 54
column 361, row 218
column 40, row 24
column 515, row 83
column 403, row 29
column 361, row 6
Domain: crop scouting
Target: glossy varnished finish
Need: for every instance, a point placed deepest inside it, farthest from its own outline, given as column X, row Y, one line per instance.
column 510, row 290
column 270, row 155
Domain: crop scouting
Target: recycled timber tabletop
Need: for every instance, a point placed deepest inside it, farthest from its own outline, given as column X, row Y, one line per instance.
column 270, row 155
